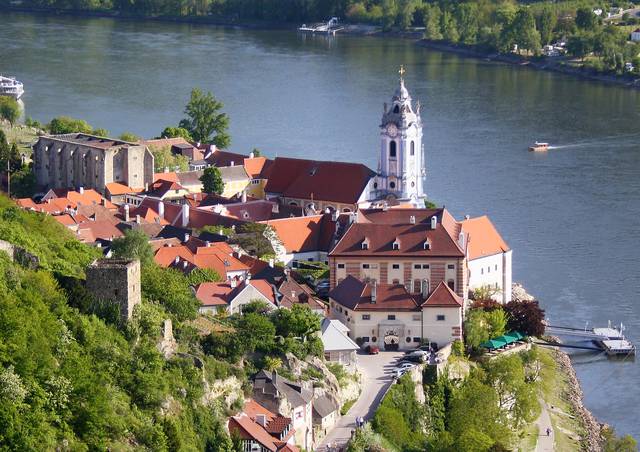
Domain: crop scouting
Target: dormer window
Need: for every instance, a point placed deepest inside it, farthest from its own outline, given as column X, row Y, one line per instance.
column 427, row 245
column 365, row 244
column 396, row 244
column 396, row 109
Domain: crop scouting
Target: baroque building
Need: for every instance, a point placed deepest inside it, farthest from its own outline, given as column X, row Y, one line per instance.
column 401, row 166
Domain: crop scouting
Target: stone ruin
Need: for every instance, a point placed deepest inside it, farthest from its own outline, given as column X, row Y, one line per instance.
column 117, row 281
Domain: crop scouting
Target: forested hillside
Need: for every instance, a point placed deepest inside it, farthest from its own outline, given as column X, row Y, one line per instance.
column 71, row 380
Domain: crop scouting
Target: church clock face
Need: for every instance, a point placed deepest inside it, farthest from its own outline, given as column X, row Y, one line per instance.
column 392, row 130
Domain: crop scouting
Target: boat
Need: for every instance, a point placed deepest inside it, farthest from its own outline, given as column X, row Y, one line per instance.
column 329, row 27
column 613, row 341
column 538, row 147
column 9, row 86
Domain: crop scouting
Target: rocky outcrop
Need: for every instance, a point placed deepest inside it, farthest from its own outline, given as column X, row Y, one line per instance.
column 519, row 293
column 228, row 390
column 593, row 440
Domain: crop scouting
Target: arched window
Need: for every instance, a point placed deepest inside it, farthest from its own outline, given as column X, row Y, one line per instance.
column 392, row 149
column 396, row 109
column 413, row 148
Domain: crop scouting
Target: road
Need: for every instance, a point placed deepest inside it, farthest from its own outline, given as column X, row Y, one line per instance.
column 377, row 376
column 545, row 443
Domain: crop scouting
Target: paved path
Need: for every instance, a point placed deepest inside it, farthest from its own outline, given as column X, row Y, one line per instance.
column 377, row 376
column 545, row 443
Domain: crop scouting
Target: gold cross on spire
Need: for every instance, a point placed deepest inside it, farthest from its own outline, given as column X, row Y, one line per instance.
column 401, row 71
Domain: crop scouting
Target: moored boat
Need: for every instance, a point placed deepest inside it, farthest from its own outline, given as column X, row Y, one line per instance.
column 538, row 147
column 9, row 86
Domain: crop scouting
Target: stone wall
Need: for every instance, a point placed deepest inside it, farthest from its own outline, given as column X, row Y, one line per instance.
column 20, row 255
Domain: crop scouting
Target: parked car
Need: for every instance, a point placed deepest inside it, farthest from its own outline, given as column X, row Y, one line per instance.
column 397, row 373
column 415, row 359
column 372, row 349
column 405, row 365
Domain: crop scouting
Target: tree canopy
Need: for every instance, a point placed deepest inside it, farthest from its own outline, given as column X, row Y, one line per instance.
column 212, row 181
column 9, row 109
column 205, row 121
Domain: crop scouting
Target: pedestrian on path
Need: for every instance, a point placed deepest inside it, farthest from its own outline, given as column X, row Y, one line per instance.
column 548, row 431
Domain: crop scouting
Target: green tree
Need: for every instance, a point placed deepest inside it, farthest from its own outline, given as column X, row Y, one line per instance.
column 431, row 14
column 133, row 245
column 449, row 27
column 299, row 321
column 100, row 132
column 65, row 124
column 467, row 18
column 171, row 289
column 9, row 154
column 176, row 132
column 205, row 122
column 9, row 109
column 128, row 136
column 164, row 159
column 547, row 21
column 390, row 10
column 212, row 181
column 496, row 322
column 476, row 330
column 524, row 30
column 586, row 19
column 256, row 331
column 202, row 275
column 406, row 10
column 473, row 441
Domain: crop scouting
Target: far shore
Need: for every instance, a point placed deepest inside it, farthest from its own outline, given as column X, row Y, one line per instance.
column 358, row 30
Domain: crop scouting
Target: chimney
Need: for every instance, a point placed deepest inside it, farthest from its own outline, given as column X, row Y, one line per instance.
column 103, row 201
column 233, row 283
column 425, row 289
column 186, row 237
column 261, row 419
column 207, row 244
column 244, row 196
column 466, row 217
column 126, row 213
column 185, row 215
column 81, row 190
column 374, row 292
column 434, row 222
column 271, row 262
column 176, row 260
column 275, row 208
column 412, row 219
column 212, row 147
column 248, row 277
column 184, row 264
column 461, row 239
column 334, row 216
column 146, row 186
column 161, row 210
column 138, row 219
column 166, row 169
column 232, row 163
column 251, row 155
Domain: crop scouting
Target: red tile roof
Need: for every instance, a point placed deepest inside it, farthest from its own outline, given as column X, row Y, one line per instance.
column 158, row 143
column 482, row 237
column 381, row 228
column 215, row 257
column 338, row 182
column 443, row 297
column 225, row 158
column 115, row 188
column 303, row 234
column 255, row 166
column 247, row 426
column 357, row 295
column 214, row 294
column 90, row 231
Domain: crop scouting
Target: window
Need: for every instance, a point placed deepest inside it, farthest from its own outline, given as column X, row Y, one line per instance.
column 375, row 185
column 340, row 265
column 365, row 266
column 417, row 266
column 416, row 339
column 425, row 266
column 440, row 317
column 482, row 271
column 366, row 317
column 396, row 246
column 452, row 285
column 365, row 338
column 416, row 317
column 392, row 184
column 408, row 339
column 365, row 246
column 413, row 148
column 496, row 267
column 374, row 339
column 395, row 266
column 396, row 109
column 392, row 149
column 395, row 281
column 391, row 317
column 451, row 266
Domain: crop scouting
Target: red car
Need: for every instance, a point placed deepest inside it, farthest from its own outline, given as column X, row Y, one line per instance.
column 373, row 349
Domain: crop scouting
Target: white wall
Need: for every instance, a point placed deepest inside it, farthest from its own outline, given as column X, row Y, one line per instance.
column 442, row 331
column 493, row 271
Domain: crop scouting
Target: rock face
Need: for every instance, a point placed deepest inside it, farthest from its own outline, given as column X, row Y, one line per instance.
column 228, row 390
column 519, row 293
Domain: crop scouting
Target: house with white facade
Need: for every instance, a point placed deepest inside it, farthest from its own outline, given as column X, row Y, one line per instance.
column 338, row 346
column 232, row 295
column 635, row 35
column 488, row 258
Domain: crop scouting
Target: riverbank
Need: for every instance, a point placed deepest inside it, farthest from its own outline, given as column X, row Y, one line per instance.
column 544, row 64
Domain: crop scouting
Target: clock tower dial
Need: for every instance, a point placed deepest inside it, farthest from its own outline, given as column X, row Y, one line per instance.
column 392, row 130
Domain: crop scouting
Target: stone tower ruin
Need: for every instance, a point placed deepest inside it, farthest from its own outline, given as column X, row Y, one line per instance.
column 116, row 280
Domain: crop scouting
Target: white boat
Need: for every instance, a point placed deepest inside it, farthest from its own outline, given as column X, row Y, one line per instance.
column 538, row 146
column 9, row 86
column 329, row 27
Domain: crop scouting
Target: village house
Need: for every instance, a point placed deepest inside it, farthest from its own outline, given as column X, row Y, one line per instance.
column 188, row 180
column 635, row 35
column 318, row 185
column 325, row 415
column 261, row 430
column 257, row 169
column 235, row 180
column 81, row 160
column 167, row 190
column 291, row 399
column 338, row 346
column 230, row 296
column 488, row 258
column 307, row 238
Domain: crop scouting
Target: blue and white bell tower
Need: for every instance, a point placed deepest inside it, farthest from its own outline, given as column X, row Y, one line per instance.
column 401, row 166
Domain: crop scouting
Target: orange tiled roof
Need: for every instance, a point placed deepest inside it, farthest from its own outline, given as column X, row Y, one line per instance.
column 116, row 188
column 254, row 166
column 301, row 234
column 483, row 238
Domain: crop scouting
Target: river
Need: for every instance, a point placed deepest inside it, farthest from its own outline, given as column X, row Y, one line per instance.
column 571, row 215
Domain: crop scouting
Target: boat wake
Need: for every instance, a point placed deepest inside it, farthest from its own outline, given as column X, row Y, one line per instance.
column 619, row 140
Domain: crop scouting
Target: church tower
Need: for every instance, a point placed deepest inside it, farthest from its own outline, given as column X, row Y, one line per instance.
column 401, row 167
